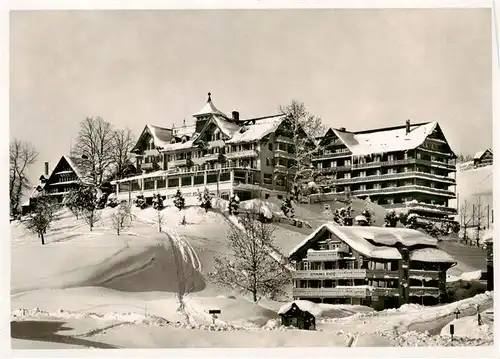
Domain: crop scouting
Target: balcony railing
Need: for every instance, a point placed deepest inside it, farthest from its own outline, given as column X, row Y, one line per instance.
column 284, row 139
column 326, row 255
column 178, row 163
column 425, row 274
column 241, row 154
column 424, row 291
column 404, row 162
column 381, row 273
column 283, row 154
column 342, row 292
column 402, row 189
column 328, row 155
column 392, row 176
column 424, row 206
column 327, row 170
column 385, row 292
column 330, row 274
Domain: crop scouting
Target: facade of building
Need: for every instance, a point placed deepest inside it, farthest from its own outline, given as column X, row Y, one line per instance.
column 226, row 154
column 483, row 158
column 64, row 177
column 409, row 166
column 377, row 266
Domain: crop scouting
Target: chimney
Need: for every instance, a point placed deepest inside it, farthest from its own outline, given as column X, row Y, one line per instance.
column 236, row 115
column 407, row 126
column 342, row 129
column 46, row 169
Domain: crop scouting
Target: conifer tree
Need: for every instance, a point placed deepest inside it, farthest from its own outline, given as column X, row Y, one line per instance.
column 179, row 200
column 205, row 199
column 234, row 205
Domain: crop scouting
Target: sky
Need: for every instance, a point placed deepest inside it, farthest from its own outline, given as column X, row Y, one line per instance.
column 359, row 69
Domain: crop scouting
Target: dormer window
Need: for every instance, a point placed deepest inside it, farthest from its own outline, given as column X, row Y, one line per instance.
column 184, row 139
column 172, row 140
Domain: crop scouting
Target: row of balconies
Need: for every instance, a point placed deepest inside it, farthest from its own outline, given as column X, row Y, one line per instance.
column 359, row 274
column 403, row 189
column 424, row 206
column 391, row 176
column 360, row 292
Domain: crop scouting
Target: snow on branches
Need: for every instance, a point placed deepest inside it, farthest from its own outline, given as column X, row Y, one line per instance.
column 205, row 199
column 179, row 200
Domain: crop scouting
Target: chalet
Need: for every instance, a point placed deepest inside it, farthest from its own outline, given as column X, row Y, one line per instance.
column 409, row 166
column 64, row 177
column 226, row 154
column 380, row 267
column 483, row 158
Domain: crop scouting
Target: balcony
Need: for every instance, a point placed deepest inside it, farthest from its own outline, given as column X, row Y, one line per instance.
column 402, row 189
column 381, row 274
column 424, row 291
column 385, row 292
column 405, row 162
column 284, row 139
column 424, row 274
column 330, row 274
column 326, row 255
column 210, row 157
column 338, row 292
column 329, row 155
column 178, row 163
column 428, row 207
column 328, row 170
column 283, row 154
column 395, row 176
column 242, row 154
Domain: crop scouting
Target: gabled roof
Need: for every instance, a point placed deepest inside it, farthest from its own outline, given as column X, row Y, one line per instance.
column 385, row 140
column 363, row 240
column 254, row 132
column 228, row 128
column 76, row 164
column 480, row 154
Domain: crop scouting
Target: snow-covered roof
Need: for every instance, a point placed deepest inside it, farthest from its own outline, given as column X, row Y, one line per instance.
column 161, row 136
column 480, row 154
column 254, row 132
column 76, row 164
column 178, row 146
column 208, row 109
column 359, row 237
column 227, row 127
column 389, row 140
column 187, row 130
column 304, row 305
column 431, row 255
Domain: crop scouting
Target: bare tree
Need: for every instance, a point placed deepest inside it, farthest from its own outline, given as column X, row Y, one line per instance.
column 123, row 142
column 40, row 218
column 22, row 154
column 478, row 217
column 95, row 143
column 121, row 218
column 251, row 268
column 91, row 216
column 160, row 219
column 303, row 128
column 465, row 218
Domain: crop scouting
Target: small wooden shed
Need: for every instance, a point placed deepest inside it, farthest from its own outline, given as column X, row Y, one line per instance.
column 293, row 315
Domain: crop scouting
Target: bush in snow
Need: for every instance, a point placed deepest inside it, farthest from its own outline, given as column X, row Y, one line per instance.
column 391, row 218
column 40, row 218
column 112, row 202
column 121, row 218
column 157, row 202
column 234, row 204
column 287, row 207
column 462, row 289
column 140, row 202
column 179, row 200
column 205, row 199
column 250, row 267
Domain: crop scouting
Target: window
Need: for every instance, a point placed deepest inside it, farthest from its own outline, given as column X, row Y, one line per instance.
column 347, row 175
column 270, row 146
column 350, row 265
column 347, row 163
column 362, row 187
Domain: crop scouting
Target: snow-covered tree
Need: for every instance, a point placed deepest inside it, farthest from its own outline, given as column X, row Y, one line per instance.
column 157, row 201
column 121, row 218
column 179, row 200
column 140, row 202
column 391, row 218
column 83, row 201
column 40, row 218
column 302, row 128
column 234, row 204
column 287, row 207
column 367, row 213
column 250, row 267
column 205, row 199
